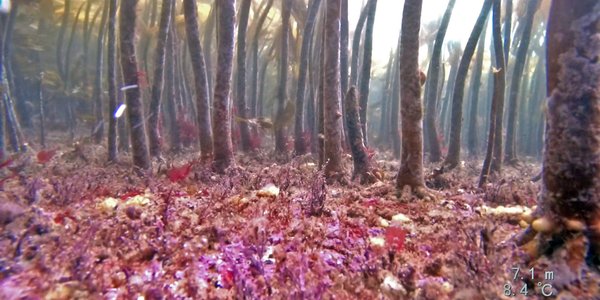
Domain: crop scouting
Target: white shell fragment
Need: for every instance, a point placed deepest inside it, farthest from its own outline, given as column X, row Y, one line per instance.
column 377, row 241
column 108, row 205
column 138, row 200
column 400, row 218
column 383, row 222
column 503, row 210
column 269, row 190
column 392, row 287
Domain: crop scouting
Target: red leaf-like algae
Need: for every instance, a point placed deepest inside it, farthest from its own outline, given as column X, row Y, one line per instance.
column 131, row 193
column 45, row 156
column 177, row 174
column 394, row 238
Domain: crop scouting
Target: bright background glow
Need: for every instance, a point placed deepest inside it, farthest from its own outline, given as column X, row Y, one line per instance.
column 388, row 21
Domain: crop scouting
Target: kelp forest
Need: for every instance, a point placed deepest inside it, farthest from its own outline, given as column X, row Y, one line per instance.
column 299, row 149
